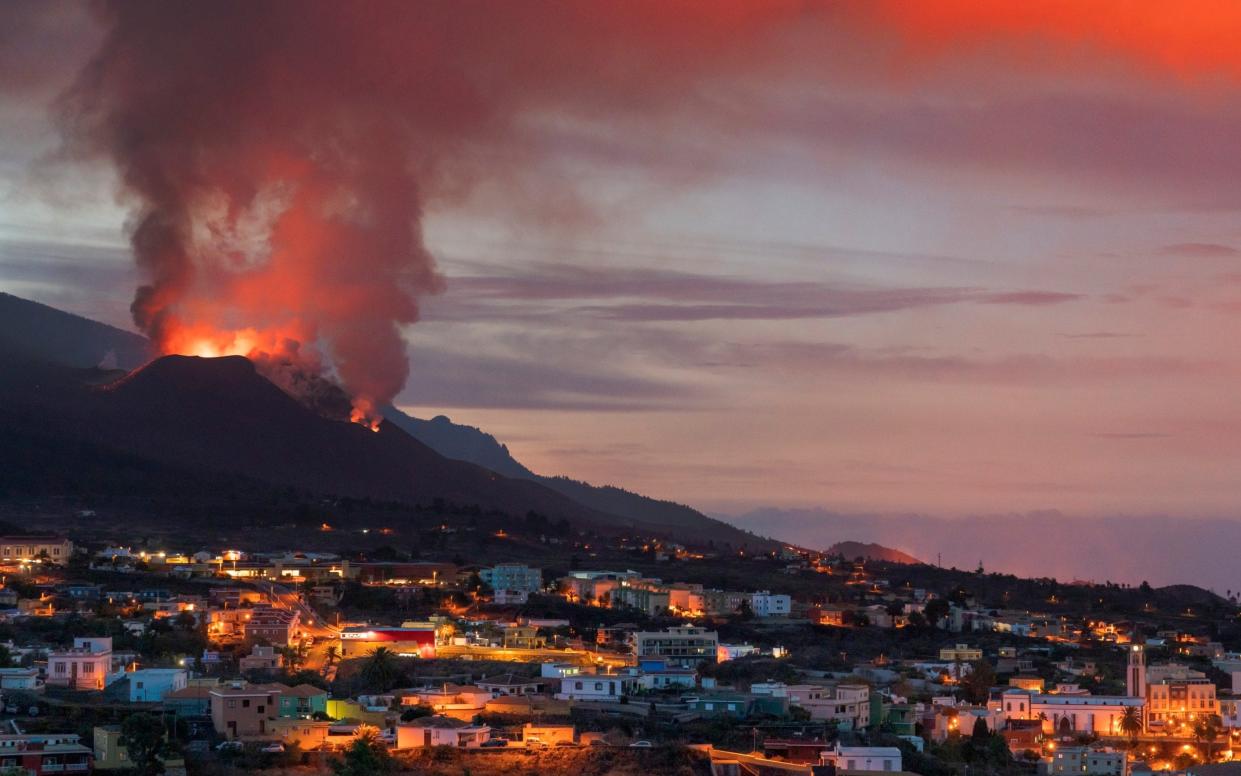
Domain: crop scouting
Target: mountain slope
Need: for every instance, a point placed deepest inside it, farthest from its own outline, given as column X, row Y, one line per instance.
column 462, row 443
column 219, row 415
column 466, row 443
column 212, row 407
column 45, row 333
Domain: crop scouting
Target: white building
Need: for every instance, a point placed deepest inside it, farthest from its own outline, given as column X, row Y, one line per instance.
column 83, row 667
column 765, row 604
column 20, row 679
column 597, row 687
column 1098, row 714
column 863, row 758
column 440, row 731
column 726, row 652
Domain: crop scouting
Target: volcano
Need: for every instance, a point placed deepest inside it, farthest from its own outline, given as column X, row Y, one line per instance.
column 191, row 424
column 219, row 415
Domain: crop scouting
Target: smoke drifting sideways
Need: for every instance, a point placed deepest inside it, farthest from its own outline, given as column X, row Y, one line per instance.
column 278, row 157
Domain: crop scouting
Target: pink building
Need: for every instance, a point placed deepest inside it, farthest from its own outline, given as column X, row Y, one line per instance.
column 84, row 667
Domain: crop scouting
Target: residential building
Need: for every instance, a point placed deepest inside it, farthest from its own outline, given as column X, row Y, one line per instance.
column 111, row 755
column 1086, row 760
column 766, row 604
column 722, row 705
column 44, row 753
column 191, row 701
column 597, row 687
column 510, row 684
column 266, row 624
column 645, row 595
column 863, row 758
column 451, row 697
column 521, row 637
column 241, row 711
column 960, row 652
column 513, row 576
column 504, row 596
column 658, row 675
column 847, row 704
column 725, row 652
column 27, row 549
column 20, row 679
column 85, row 666
column 440, row 731
column 301, row 702
column 1176, row 695
column 261, row 658
column 147, row 685
column 685, row 646
column 548, row 734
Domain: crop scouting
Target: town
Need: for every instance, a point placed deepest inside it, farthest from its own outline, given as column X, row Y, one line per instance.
column 210, row 660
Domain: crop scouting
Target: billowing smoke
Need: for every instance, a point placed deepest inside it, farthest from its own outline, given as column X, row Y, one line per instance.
column 279, row 155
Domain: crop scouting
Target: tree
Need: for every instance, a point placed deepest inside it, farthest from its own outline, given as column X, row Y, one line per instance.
column 744, row 610
column 936, row 610
column 331, row 655
column 980, row 732
column 381, row 671
column 366, row 757
column 1131, row 723
column 1207, row 728
column 142, row 735
column 976, row 683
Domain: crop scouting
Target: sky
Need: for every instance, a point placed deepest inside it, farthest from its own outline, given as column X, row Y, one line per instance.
column 949, row 259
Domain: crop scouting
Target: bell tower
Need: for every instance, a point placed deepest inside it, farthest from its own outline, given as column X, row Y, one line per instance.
column 1135, row 684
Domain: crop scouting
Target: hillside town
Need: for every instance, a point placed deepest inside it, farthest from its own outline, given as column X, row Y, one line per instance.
column 119, row 657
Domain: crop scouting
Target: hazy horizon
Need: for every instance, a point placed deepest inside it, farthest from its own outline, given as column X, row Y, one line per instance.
column 1120, row 549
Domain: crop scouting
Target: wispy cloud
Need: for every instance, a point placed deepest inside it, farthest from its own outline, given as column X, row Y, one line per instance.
column 1199, row 250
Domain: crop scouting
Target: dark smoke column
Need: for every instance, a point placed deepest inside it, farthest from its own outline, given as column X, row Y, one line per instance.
column 278, row 155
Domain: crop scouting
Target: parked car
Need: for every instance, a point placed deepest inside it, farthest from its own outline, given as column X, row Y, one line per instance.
column 493, row 743
column 566, row 743
column 275, row 748
column 229, row 746
column 642, row 744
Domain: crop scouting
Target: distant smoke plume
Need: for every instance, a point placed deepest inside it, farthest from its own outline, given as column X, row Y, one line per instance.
column 279, row 155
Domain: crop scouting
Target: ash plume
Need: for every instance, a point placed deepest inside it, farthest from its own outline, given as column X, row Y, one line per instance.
column 278, row 156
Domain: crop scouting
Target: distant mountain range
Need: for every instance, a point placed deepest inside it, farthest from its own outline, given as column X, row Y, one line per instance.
column 219, row 415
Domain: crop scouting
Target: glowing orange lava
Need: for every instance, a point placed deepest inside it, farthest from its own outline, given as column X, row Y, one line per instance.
column 264, row 348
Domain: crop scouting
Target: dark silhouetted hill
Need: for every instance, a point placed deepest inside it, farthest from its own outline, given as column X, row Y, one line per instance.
column 870, row 551
column 45, row 333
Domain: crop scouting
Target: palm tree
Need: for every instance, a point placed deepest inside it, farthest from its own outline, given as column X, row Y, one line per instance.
column 1207, row 729
column 331, row 655
column 1131, row 723
column 381, row 670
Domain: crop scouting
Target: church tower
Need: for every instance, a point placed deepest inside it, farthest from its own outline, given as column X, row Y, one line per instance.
column 1135, row 683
